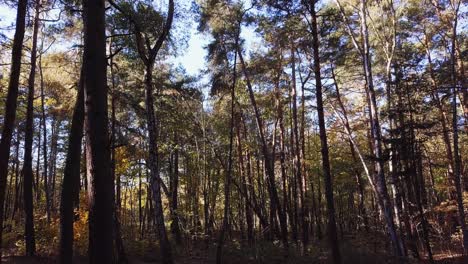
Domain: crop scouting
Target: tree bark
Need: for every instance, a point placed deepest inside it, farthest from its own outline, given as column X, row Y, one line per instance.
column 71, row 177
column 383, row 198
column 457, row 159
column 332, row 233
column 174, row 193
column 28, row 144
column 100, row 187
column 155, row 184
column 269, row 164
column 228, row 178
column 11, row 103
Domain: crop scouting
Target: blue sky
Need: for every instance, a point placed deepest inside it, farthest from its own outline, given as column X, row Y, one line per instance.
column 192, row 59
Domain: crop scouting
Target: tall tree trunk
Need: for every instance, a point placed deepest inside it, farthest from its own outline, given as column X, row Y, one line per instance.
column 297, row 156
column 383, row 197
column 228, row 178
column 71, row 177
column 38, row 160
column 11, row 104
column 242, row 170
column 155, row 181
column 443, row 115
column 357, row 174
column 174, row 193
column 44, row 134
column 50, row 188
column 28, row 144
column 280, row 121
column 457, row 159
column 269, row 164
column 121, row 255
column 100, row 187
column 16, row 201
column 332, row 233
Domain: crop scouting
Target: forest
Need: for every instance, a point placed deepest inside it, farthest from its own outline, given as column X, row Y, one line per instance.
column 310, row 131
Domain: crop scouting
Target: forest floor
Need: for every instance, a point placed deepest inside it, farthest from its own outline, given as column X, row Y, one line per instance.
column 365, row 249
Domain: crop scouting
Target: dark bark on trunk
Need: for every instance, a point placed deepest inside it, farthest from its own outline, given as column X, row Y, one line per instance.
column 44, row 134
column 155, row 184
column 297, row 157
column 141, row 217
column 100, row 187
column 383, row 197
column 228, row 178
column 148, row 56
column 357, row 174
column 38, row 161
column 269, row 165
column 28, row 144
column 121, row 255
column 16, row 202
column 457, row 159
column 245, row 191
column 174, row 194
column 71, row 177
column 332, row 233
column 50, row 187
column 11, row 104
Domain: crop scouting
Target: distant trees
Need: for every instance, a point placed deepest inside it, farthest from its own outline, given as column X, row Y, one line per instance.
column 148, row 52
column 316, row 119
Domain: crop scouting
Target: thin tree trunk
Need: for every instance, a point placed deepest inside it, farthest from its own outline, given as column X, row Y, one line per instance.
column 332, row 233
column 174, row 194
column 359, row 180
column 457, row 160
column 155, row 184
column 44, row 143
column 268, row 159
column 16, row 201
column 28, row 144
column 121, row 255
column 227, row 181
column 383, row 198
column 297, row 158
